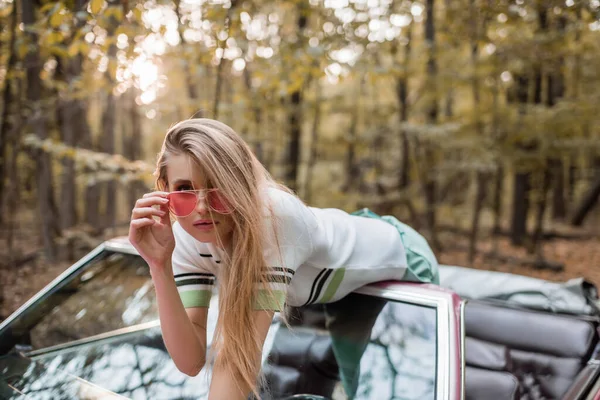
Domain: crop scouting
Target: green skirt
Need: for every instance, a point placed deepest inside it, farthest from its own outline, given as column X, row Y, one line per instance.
column 422, row 264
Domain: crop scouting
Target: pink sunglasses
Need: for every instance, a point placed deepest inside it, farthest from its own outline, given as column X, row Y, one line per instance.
column 182, row 203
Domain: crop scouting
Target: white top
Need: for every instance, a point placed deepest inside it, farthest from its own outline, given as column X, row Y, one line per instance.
column 324, row 255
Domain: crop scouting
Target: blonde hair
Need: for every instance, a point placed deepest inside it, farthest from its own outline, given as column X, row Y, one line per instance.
column 230, row 165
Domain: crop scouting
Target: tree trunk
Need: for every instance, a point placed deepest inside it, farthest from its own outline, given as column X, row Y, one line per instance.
column 191, row 86
column 313, row 144
column 587, row 203
column 13, row 192
column 571, row 179
column 107, row 139
column 556, row 90
column 72, row 116
column 536, row 245
column 520, row 204
column 520, row 208
column 480, row 177
column 6, row 126
column 480, row 192
column 351, row 168
column 48, row 214
column 295, row 113
column 132, row 145
column 69, row 115
column 257, row 114
column 497, row 201
column 432, row 115
column 402, row 97
column 220, row 66
column 559, row 202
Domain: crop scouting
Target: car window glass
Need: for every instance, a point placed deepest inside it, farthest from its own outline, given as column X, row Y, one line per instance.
column 113, row 291
column 400, row 359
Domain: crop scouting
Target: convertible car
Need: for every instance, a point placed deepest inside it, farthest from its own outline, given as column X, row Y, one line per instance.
column 93, row 333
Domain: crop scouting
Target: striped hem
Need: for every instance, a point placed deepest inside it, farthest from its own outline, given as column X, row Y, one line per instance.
column 195, row 298
column 269, row 300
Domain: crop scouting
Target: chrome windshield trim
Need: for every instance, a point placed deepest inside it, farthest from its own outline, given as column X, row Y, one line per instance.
column 55, row 282
column 463, row 335
column 446, row 374
column 121, row 246
column 94, row 339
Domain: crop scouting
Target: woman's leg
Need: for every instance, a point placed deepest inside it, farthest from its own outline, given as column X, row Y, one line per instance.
column 350, row 321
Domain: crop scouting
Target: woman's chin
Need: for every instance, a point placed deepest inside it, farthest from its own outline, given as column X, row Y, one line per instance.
column 205, row 237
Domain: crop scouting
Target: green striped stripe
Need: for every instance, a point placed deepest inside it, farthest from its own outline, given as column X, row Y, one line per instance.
column 269, row 300
column 195, row 298
column 334, row 284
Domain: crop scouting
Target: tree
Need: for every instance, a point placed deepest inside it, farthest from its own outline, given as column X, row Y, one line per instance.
column 38, row 122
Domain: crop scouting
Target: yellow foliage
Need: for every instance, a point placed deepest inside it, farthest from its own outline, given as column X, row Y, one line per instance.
column 73, row 49
column 22, row 50
column 56, row 19
column 114, row 12
column 96, row 6
column 54, row 38
column 137, row 13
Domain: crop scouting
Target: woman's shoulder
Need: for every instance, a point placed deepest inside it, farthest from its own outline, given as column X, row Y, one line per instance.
column 289, row 212
column 282, row 202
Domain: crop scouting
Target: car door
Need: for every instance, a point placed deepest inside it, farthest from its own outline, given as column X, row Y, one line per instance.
column 415, row 349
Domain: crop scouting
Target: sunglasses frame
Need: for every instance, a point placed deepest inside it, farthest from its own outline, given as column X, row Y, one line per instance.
column 198, row 193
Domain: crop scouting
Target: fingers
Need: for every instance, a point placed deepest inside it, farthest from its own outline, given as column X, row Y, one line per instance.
column 165, row 218
column 146, row 212
column 156, row 194
column 150, row 201
column 141, row 223
column 154, row 204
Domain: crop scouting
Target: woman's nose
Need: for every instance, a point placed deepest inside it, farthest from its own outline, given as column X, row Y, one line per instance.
column 201, row 205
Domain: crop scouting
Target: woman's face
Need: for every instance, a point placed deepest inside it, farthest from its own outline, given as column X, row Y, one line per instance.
column 203, row 224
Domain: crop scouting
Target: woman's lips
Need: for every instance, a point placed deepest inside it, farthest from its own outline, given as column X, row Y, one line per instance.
column 205, row 224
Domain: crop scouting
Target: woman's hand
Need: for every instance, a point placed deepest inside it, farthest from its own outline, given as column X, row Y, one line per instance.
column 152, row 238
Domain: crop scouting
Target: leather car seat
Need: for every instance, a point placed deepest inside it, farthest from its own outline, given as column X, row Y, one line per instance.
column 301, row 361
column 543, row 351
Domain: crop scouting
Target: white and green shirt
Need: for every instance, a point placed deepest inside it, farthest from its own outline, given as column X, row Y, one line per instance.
column 323, row 255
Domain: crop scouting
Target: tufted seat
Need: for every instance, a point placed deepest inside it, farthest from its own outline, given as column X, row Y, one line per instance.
column 542, row 352
column 301, row 361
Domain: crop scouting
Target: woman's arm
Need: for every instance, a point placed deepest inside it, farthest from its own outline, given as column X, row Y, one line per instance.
column 222, row 385
column 184, row 330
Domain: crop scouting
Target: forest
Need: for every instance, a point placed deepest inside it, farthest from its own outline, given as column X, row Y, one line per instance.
column 477, row 122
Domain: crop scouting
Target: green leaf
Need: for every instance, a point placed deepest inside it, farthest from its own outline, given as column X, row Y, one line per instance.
column 96, row 6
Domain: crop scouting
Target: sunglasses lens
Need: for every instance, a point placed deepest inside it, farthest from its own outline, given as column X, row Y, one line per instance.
column 182, row 203
column 218, row 203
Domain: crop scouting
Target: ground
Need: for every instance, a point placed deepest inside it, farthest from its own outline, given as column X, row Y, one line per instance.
column 580, row 257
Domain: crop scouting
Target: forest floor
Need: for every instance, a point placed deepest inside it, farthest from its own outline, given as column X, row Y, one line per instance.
column 580, row 257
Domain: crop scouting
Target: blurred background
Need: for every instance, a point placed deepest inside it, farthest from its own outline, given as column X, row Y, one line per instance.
column 474, row 121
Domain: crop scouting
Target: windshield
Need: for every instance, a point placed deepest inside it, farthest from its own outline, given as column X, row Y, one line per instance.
column 112, row 291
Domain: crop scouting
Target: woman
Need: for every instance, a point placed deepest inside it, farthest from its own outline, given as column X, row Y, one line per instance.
column 236, row 227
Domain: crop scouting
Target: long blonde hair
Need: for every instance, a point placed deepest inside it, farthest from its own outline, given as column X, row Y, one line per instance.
column 231, row 166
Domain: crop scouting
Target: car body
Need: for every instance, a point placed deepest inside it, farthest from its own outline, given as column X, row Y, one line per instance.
column 93, row 333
